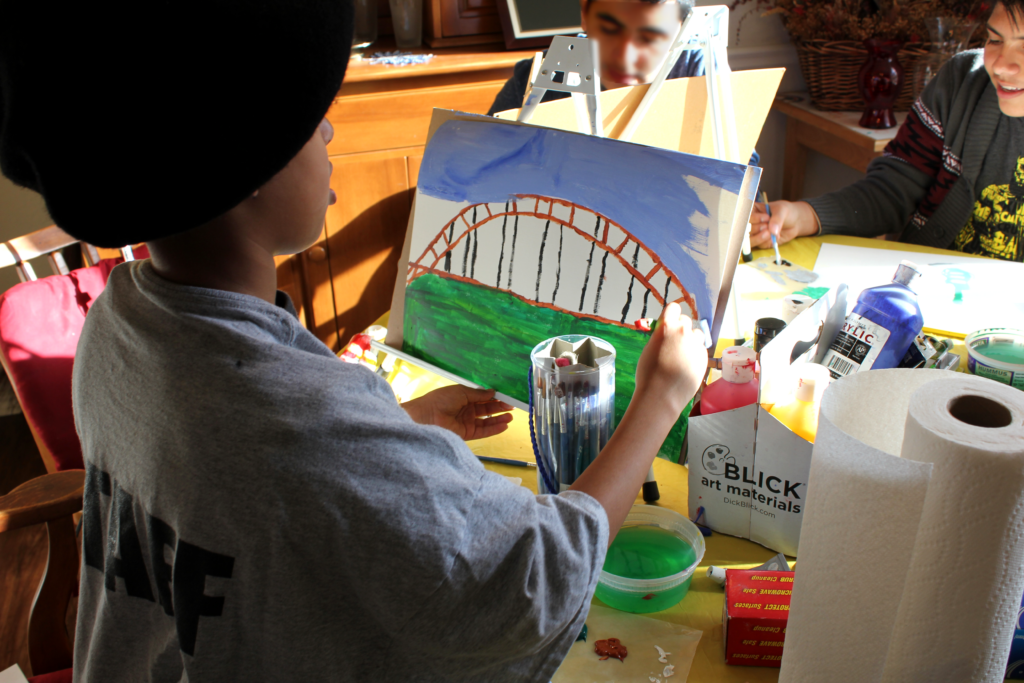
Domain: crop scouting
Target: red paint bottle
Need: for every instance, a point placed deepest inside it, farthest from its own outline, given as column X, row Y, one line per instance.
column 737, row 387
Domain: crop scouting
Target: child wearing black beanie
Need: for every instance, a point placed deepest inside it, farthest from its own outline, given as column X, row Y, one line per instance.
column 254, row 508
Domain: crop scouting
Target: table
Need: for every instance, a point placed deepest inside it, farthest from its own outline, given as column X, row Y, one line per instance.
column 702, row 607
column 834, row 134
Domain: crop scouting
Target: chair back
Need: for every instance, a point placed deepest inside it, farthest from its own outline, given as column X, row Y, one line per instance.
column 40, row 324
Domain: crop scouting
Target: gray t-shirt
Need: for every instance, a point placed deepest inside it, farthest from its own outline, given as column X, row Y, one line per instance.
column 256, row 509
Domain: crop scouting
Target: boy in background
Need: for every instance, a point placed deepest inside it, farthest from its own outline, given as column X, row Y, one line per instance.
column 633, row 38
column 256, row 509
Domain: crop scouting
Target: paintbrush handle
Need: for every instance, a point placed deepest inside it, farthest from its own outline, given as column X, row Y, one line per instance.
column 506, row 461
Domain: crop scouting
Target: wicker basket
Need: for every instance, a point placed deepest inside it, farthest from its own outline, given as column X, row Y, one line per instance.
column 830, row 68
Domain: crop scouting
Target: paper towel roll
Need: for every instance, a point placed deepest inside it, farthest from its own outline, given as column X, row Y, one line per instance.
column 910, row 568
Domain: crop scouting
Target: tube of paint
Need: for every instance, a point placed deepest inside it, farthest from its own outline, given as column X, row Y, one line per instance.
column 578, row 411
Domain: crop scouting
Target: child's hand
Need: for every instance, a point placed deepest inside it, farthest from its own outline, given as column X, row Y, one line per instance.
column 673, row 363
column 470, row 413
column 788, row 221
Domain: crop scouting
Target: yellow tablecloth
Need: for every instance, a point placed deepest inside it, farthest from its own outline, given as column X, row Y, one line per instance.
column 702, row 607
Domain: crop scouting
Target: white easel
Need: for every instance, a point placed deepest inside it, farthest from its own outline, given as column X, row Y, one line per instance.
column 571, row 67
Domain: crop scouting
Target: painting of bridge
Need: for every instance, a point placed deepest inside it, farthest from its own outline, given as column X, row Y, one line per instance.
column 523, row 233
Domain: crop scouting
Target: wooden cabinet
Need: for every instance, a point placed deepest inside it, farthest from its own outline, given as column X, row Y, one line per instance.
column 450, row 23
column 344, row 282
column 462, row 22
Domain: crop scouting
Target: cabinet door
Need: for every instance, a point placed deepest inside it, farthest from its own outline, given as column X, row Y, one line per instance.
column 365, row 234
column 469, row 17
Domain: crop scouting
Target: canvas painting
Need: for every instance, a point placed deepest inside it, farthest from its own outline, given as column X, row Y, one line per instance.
column 521, row 233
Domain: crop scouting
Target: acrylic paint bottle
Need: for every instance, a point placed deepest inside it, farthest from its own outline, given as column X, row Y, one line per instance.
column 883, row 324
column 800, row 412
column 736, row 388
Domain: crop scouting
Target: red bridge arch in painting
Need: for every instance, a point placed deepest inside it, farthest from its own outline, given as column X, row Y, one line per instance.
column 600, row 232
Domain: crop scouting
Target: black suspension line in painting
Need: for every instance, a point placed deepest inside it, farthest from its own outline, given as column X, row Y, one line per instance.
column 668, row 281
column 501, row 254
column 558, row 272
column 629, row 292
column 476, row 241
column 540, row 259
column 512, row 256
column 448, row 254
column 586, row 276
column 600, row 282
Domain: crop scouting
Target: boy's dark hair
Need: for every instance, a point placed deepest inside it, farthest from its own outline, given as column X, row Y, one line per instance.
column 180, row 110
column 1015, row 8
column 685, row 6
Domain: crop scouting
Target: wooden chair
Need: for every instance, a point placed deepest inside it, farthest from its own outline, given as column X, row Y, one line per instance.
column 40, row 322
column 49, row 242
column 51, row 499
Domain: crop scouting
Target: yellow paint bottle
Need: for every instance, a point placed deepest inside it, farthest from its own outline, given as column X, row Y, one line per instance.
column 800, row 412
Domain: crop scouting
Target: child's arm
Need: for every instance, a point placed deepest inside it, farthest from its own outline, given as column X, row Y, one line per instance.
column 671, row 369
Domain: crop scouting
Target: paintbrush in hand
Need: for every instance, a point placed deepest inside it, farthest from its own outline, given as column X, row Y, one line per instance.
column 775, row 240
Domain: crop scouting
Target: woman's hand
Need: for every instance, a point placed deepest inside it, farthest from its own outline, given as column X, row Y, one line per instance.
column 788, row 221
column 470, row 413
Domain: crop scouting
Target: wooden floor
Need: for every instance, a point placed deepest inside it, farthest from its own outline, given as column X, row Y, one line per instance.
column 23, row 551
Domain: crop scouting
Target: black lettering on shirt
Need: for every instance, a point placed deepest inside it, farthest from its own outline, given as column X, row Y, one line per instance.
column 160, row 535
column 124, row 552
column 116, row 551
column 192, row 565
column 97, row 482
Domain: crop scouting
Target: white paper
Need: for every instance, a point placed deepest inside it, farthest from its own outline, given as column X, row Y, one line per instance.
column 990, row 294
column 12, row 674
column 911, row 563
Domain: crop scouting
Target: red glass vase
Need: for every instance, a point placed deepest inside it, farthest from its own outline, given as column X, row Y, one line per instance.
column 880, row 81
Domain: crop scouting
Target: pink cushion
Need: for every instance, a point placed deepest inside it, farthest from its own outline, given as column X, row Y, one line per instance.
column 63, row 676
column 40, row 323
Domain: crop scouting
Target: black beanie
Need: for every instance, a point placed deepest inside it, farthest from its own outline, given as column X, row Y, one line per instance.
column 140, row 120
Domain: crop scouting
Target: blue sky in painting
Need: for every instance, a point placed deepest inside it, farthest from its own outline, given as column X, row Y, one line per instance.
column 641, row 188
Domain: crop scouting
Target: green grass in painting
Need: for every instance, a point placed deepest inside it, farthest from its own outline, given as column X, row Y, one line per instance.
column 486, row 335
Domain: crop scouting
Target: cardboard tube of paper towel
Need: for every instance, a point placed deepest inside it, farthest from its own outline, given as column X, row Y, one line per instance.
column 910, row 568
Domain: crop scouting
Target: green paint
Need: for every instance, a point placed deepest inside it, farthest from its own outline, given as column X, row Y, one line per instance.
column 813, row 292
column 1004, row 353
column 486, row 335
column 583, row 634
column 646, row 552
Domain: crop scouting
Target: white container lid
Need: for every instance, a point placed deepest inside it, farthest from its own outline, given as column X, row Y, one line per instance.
column 738, row 364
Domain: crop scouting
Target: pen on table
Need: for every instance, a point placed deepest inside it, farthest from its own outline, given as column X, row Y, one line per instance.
column 507, row 461
column 775, row 240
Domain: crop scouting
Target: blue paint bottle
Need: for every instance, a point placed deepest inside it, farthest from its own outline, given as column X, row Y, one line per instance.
column 883, row 324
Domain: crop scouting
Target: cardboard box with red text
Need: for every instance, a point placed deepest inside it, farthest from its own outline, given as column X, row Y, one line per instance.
column 755, row 615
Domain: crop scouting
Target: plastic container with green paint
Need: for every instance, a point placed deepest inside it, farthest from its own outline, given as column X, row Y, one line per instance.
column 997, row 353
column 651, row 561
